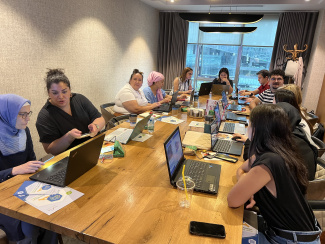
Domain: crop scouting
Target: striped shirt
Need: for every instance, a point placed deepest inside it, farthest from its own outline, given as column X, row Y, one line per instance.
column 266, row 96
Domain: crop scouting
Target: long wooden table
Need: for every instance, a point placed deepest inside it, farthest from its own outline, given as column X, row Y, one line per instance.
column 130, row 200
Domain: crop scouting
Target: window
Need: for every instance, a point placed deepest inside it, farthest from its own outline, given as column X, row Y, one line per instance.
column 243, row 54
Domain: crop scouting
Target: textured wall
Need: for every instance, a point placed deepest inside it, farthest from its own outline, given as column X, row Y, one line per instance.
column 316, row 67
column 97, row 42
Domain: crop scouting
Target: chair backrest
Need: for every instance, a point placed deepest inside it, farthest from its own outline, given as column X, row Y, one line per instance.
column 320, row 144
column 107, row 111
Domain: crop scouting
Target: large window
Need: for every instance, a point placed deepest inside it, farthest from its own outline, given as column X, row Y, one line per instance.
column 243, row 54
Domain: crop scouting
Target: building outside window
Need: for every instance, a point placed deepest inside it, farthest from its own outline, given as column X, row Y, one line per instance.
column 243, row 54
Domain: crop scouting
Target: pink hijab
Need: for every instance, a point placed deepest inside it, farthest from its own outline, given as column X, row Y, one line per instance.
column 154, row 77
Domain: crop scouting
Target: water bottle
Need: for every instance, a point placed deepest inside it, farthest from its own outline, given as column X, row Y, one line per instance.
column 151, row 125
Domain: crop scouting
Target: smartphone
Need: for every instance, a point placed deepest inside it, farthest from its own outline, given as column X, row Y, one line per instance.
column 207, row 229
column 84, row 135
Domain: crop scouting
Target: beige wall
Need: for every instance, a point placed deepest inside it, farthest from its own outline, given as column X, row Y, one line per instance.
column 316, row 67
column 97, row 42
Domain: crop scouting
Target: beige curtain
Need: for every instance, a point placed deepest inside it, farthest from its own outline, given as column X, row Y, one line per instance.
column 172, row 44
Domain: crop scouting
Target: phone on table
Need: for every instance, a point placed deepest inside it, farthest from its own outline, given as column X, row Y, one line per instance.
column 207, row 229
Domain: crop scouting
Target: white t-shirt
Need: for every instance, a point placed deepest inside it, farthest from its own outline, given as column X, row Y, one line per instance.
column 127, row 93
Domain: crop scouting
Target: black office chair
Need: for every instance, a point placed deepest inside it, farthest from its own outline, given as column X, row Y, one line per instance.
column 107, row 112
column 320, row 144
column 116, row 121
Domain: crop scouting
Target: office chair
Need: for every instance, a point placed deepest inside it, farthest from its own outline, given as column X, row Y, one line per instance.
column 116, row 121
column 107, row 112
column 320, row 144
column 316, row 193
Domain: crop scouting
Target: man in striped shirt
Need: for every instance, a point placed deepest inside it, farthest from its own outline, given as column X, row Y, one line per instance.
column 276, row 80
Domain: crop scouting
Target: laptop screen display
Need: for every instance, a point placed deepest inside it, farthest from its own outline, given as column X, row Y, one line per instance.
column 174, row 152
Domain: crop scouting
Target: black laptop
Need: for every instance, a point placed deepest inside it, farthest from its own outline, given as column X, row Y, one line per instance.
column 167, row 107
column 205, row 88
column 220, row 145
column 188, row 103
column 68, row 169
column 205, row 175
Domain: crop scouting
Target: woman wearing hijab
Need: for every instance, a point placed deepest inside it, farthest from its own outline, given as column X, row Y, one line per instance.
column 17, row 157
column 154, row 92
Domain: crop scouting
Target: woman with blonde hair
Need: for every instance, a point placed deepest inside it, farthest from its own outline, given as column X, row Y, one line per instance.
column 183, row 83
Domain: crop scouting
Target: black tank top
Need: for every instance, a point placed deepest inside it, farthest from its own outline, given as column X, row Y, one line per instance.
column 289, row 210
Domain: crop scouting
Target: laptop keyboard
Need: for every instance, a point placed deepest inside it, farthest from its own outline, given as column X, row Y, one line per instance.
column 222, row 146
column 58, row 176
column 229, row 127
column 124, row 136
column 196, row 169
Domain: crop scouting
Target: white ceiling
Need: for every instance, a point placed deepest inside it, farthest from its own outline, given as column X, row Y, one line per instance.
column 240, row 6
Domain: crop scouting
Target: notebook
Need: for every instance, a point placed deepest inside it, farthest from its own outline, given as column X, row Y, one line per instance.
column 205, row 175
column 70, row 168
column 225, row 104
column 228, row 127
column 124, row 135
column 167, row 107
column 224, row 145
column 217, row 89
column 205, row 89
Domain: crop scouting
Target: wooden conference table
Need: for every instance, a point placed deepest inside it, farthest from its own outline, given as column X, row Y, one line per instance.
column 130, row 199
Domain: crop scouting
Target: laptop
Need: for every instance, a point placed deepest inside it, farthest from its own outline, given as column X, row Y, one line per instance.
column 124, row 135
column 70, row 168
column 220, row 145
column 217, row 89
column 235, row 117
column 225, row 104
column 228, row 127
column 205, row 175
column 188, row 103
column 205, row 88
column 167, row 107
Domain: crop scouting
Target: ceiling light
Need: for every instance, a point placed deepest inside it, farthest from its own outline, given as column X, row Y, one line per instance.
column 232, row 30
column 222, row 18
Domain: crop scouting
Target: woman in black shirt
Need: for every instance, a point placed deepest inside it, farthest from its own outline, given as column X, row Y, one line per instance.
column 223, row 79
column 65, row 116
column 275, row 177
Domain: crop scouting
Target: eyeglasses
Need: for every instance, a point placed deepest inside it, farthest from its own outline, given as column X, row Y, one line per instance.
column 276, row 79
column 25, row 115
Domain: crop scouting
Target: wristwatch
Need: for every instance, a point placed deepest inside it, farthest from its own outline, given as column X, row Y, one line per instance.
column 251, row 94
column 96, row 126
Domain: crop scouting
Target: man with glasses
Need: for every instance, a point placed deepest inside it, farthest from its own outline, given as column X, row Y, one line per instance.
column 276, row 80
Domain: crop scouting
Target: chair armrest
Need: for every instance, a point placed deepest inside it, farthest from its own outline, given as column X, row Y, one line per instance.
column 317, row 204
column 321, row 162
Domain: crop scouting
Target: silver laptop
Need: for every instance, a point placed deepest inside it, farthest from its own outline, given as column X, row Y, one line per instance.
column 217, row 89
column 229, row 127
column 125, row 135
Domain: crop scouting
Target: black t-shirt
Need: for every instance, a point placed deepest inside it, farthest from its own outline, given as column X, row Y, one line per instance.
column 219, row 82
column 53, row 123
column 13, row 160
column 289, row 210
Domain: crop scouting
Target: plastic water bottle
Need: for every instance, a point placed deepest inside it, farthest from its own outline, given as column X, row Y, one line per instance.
column 210, row 95
column 151, row 125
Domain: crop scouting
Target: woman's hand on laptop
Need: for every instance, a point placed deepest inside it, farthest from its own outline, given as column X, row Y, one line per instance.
column 27, row 168
column 240, row 137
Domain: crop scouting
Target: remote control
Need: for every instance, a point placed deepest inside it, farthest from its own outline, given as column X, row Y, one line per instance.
column 226, row 157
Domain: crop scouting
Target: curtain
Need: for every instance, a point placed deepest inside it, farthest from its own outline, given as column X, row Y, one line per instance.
column 172, row 43
column 294, row 28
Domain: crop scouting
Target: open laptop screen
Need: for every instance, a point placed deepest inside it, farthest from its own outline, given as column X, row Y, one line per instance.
column 174, row 151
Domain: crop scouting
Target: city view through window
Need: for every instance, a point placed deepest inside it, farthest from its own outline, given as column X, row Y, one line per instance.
column 243, row 54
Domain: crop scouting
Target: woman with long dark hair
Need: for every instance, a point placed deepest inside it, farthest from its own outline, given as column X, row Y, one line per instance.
column 223, row 79
column 275, row 178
